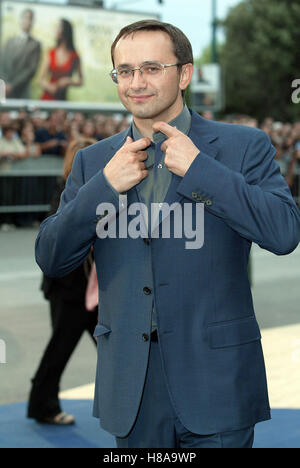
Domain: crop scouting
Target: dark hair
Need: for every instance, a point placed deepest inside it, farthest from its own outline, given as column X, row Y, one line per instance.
column 67, row 34
column 71, row 151
column 7, row 128
column 181, row 45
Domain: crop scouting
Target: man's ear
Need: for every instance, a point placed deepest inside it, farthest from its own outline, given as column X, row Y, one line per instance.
column 186, row 75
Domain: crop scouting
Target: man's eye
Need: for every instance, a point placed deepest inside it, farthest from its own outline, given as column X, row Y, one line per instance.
column 125, row 72
column 151, row 69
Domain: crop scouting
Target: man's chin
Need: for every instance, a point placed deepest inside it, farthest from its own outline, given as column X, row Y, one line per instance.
column 141, row 112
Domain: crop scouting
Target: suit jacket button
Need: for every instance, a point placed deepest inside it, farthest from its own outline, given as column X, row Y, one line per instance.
column 145, row 337
column 147, row 290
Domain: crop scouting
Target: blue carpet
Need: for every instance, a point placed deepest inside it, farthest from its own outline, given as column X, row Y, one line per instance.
column 16, row 431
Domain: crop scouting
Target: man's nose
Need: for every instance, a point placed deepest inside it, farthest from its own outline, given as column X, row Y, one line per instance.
column 137, row 80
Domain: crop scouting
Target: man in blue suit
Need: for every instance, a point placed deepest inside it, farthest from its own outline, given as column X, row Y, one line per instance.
column 180, row 362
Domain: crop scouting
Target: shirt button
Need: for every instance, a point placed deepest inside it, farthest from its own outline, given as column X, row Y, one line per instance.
column 147, row 290
column 145, row 337
column 159, row 166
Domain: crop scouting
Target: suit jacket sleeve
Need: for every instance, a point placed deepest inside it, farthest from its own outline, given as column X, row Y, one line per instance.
column 255, row 202
column 5, row 53
column 65, row 238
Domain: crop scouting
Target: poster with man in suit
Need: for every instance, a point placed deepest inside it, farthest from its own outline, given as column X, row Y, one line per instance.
column 20, row 59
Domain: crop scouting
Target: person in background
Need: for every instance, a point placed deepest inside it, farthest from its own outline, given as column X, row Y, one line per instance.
column 99, row 121
column 38, row 120
column 79, row 118
column 69, row 319
column 73, row 130
column 110, row 127
column 20, row 59
column 88, row 129
column 5, row 120
column 33, row 149
column 123, row 124
column 52, row 137
column 62, row 63
column 11, row 147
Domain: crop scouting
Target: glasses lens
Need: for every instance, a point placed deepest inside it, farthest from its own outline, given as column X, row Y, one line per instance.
column 152, row 69
column 114, row 76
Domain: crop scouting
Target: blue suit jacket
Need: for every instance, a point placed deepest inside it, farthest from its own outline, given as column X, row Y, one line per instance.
column 209, row 338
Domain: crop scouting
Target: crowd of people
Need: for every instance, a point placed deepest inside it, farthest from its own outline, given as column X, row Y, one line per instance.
column 285, row 137
column 25, row 135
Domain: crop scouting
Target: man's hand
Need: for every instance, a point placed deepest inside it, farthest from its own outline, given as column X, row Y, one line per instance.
column 127, row 168
column 179, row 149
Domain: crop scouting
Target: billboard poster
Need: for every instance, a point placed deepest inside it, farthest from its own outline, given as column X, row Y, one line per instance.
column 59, row 52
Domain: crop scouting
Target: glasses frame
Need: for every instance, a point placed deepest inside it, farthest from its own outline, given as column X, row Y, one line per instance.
column 114, row 73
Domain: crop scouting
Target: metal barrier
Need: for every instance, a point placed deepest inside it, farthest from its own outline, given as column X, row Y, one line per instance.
column 26, row 186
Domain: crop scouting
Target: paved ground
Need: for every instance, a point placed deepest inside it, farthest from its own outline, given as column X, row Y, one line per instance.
column 25, row 326
column 25, row 322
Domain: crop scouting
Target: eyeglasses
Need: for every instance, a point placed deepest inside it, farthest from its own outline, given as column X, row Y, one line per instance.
column 148, row 69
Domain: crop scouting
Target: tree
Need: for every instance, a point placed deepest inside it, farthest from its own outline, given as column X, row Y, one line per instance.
column 261, row 57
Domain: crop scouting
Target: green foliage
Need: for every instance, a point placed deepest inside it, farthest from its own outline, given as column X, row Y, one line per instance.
column 261, row 58
column 206, row 54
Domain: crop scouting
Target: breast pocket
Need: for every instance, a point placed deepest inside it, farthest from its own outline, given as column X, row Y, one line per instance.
column 234, row 333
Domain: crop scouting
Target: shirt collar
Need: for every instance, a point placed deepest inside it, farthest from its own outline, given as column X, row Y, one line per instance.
column 182, row 122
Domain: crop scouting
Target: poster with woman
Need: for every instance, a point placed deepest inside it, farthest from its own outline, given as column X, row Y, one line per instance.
column 69, row 51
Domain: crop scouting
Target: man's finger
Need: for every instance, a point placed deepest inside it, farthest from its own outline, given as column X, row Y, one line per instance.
column 128, row 140
column 164, row 147
column 142, row 155
column 144, row 173
column 165, row 128
column 139, row 145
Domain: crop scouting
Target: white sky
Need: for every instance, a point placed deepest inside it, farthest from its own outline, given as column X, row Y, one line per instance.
column 192, row 16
